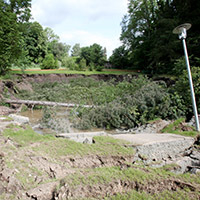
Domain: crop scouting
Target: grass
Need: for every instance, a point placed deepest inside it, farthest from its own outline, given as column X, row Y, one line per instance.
column 103, row 146
column 140, row 175
column 52, row 149
column 24, row 136
column 175, row 129
column 66, row 71
column 165, row 195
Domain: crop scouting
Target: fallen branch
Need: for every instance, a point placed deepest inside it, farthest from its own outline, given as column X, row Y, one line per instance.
column 46, row 103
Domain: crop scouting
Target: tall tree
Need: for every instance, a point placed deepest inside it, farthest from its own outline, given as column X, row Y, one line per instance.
column 35, row 41
column 147, row 32
column 137, row 29
column 93, row 54
column 13, row 13
column 120, row 58
column 76, row 50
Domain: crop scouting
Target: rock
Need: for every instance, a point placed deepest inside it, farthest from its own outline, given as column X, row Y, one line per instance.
column 5, row 110
column 86, row 137
column 19, row 119
column 154, row 127
column 157, row 147
column 150, row 128
column 192, row 121
column 42, row 192
column 183, row 164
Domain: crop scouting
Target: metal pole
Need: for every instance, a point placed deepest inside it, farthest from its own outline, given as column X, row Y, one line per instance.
column 191, row 85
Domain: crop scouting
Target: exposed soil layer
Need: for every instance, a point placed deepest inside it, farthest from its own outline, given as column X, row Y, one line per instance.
column 40, row 78
column 29, row 174
column 101, row 191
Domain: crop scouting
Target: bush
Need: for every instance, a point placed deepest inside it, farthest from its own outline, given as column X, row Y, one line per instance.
column 70, row 63
column 183, row 89
column 49, row 62
column 82, row 64
column 99, row 68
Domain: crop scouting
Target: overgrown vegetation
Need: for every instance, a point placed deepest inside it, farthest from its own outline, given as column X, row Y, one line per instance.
column 179, row 127
column 124, row 104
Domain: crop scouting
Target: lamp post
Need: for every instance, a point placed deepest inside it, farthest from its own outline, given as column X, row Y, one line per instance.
column 182, row 32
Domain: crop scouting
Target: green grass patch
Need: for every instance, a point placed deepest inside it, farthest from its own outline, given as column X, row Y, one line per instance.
column 175, row 128
column 55, row 147
column 106, row 175
column 103, row 146
column 24, row 135
column 65, row 71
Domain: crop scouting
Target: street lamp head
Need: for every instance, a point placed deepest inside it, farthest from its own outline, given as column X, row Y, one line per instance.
column 181, row 30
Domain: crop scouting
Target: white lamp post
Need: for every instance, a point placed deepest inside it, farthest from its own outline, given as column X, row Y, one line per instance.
column 182, row 32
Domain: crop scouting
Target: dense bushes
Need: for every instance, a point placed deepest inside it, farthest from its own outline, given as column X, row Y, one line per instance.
column 183, row 89
column 124, row 104
column 49, row 62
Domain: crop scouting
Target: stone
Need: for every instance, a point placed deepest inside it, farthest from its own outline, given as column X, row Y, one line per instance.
column 157, row 147
column 86, row 137
column 19, row 119
column 42, row 192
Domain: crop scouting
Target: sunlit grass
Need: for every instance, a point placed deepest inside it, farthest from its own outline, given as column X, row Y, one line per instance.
column 66, row 71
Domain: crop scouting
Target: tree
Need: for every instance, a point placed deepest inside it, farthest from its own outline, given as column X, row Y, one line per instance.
column 137, row 29
column 85, row 53
column 93, row 54
column 147, row 32
column 35, row 41
column 120, row 58
column 76, row 50
column 13, row 13
column 58, row 49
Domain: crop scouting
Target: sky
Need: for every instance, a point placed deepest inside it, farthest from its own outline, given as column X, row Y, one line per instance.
column 82, row 21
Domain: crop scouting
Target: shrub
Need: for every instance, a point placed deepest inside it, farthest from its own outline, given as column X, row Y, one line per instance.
column 82, row 64
column 70, row 63
column 49, row 62
column 183, row 89
column 99, row 68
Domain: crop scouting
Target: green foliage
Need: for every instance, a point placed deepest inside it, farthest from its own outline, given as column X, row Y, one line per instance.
column 120, row 58
column 148, row 20
column 93, row 54
column 176, row 128
column 35, row 43
column 124, row 104
column 183, row 89
column 76, row 50
column 82, row 64
column 99, row 68
column 49, row 62
column 70, row 63
column 13, row 14
column 179, row 66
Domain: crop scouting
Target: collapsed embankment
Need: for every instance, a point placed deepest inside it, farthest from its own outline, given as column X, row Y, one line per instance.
column 35, row 167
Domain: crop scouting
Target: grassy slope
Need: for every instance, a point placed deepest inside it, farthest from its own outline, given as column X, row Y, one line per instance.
column 31, row 155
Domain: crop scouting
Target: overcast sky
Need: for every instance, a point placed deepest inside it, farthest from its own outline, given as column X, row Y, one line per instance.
column 83, row 21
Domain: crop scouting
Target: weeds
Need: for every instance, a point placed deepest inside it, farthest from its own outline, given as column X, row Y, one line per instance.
column 181, row 128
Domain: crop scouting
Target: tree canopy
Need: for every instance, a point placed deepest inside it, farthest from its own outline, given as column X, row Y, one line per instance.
column 13, row 13
column 147, row 32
